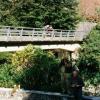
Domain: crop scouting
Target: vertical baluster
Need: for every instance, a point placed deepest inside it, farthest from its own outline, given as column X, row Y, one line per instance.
column 8, row 33
column 61, row 35
column 44, row 33
column 21, row 34
column 68, row 35
column 52, row 34
column 33, row 33
column 74, row 35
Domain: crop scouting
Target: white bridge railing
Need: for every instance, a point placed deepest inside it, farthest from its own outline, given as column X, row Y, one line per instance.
column 23, row 34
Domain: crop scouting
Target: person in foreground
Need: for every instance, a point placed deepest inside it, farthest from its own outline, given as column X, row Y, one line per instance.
column 76, row 84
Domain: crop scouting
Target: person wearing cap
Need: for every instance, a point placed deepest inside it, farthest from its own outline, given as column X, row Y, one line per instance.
column 76, row 84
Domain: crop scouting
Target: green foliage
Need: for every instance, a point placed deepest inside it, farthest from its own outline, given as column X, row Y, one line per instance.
column 38, row 66
column 90, row 78
column 44, row 73
column 5, row 57
column 90, row 53
column 23, row 59
column 89, row 60
column 6, row 75
column 37, row 13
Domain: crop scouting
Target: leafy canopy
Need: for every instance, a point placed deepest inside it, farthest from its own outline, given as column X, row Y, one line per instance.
column 91, row 48
column 89, row 59
column 38, row 13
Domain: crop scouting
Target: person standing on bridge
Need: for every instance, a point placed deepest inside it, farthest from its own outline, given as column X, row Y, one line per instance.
column 48, row 30
column 76, row 84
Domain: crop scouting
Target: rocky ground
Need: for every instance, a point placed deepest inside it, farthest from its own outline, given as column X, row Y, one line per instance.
column 92, row 91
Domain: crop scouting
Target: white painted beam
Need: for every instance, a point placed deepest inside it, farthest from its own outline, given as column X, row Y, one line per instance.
column 67, row 47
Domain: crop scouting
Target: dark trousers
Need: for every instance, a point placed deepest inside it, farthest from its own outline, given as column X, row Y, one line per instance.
column 77, row 94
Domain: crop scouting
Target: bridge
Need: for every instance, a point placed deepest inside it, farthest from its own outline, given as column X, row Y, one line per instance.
column 24, row 34
column 20, row 36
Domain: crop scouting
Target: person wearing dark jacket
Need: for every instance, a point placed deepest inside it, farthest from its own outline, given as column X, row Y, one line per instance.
column 76, row 84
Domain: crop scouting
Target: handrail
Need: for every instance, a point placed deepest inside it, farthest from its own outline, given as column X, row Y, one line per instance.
column 10, row 33
column 36, row 28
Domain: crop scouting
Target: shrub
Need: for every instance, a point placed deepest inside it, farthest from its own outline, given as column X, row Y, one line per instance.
column 6, row 75
column 5, row 57
column 89, row 59
column 22, row 59
column 36, row 69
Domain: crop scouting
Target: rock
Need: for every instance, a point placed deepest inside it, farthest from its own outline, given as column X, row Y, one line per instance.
column 90, row 98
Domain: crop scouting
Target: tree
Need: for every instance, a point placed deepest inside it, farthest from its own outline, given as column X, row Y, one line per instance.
column 6, row 18
column 38, row 13
column 90, row 52
column 89, row 59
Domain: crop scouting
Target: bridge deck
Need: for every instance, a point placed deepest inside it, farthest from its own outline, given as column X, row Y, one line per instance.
column 24, row 34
